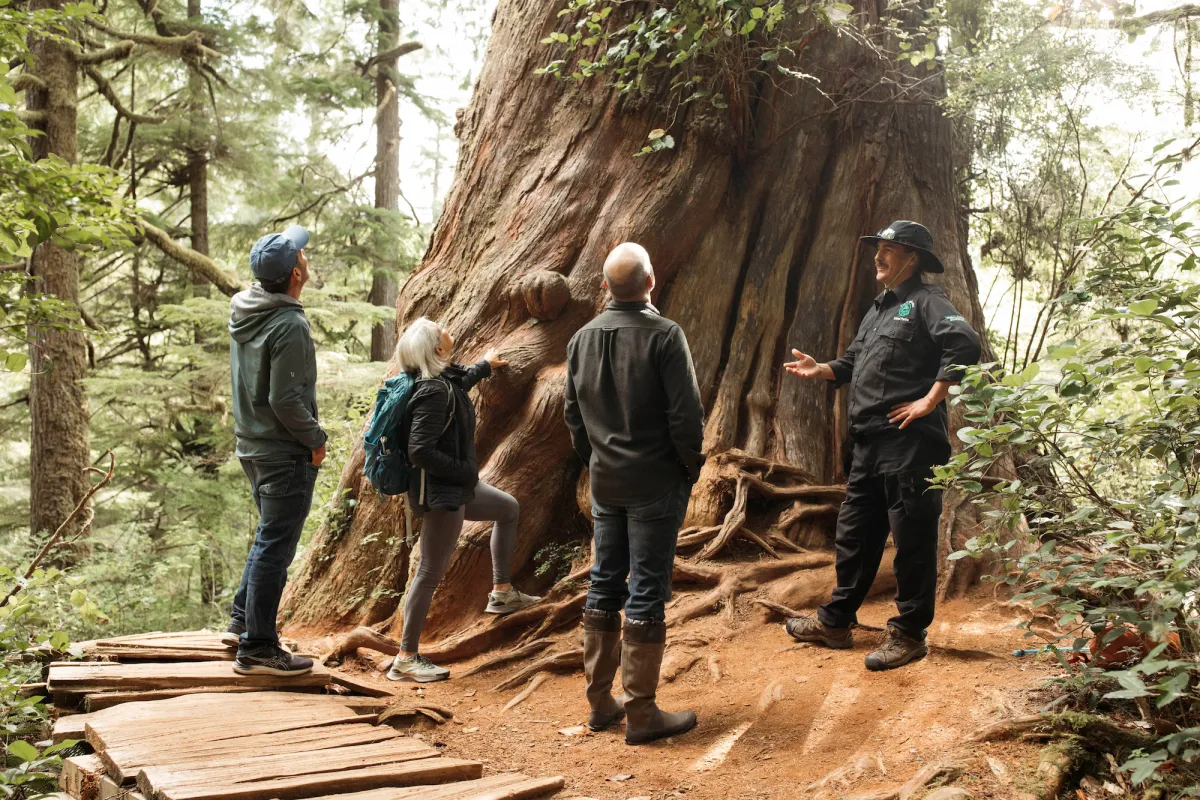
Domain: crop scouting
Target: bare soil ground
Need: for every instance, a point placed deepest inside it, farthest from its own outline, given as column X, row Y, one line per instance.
column 776, row 719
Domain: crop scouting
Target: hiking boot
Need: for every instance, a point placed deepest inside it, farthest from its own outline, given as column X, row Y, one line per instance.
column 641, row 660
column 232, row 636
column 811, row 629
column 898, row 649
column 275, row 662
column 508, row 601
column 601, row 659
column 416, row 668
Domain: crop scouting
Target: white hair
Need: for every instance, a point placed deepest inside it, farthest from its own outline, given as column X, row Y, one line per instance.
column 417, row 349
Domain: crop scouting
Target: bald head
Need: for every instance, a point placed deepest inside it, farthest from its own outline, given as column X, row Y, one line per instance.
column 628, row 273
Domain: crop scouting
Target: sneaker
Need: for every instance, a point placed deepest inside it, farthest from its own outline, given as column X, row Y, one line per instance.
column 509, row 601
column 416, row 668
column 898, row 649
column 276, row 662
column 232, row 636
column 811, row 629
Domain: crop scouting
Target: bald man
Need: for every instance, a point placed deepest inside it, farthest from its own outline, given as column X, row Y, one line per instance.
column 636, row 420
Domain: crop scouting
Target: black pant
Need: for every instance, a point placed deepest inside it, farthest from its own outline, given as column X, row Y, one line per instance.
column 875, row 503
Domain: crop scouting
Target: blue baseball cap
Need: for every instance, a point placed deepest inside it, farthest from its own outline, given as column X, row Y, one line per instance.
column 273, row 257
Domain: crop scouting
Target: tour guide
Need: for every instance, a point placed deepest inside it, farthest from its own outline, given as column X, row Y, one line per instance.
column 900, row 368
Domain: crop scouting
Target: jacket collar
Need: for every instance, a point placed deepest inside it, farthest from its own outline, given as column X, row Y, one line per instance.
column 901, row 292
column 631, row 305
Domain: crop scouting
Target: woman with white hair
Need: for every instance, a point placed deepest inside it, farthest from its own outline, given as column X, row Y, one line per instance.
column 439, row 426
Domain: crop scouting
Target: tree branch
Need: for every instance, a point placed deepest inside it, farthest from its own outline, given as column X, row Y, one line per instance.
column 26, row 81
column 110, row 94
column 121, row 50
column 200, row 264
column 53, row 540
column 1158, row 17
column 190, row 45
column 395, row 52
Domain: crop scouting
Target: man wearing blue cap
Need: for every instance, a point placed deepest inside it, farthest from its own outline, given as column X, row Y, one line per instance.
column 279, row 440
column 909, row 351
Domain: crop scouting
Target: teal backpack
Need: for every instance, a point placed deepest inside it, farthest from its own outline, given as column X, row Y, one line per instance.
column 386, row 465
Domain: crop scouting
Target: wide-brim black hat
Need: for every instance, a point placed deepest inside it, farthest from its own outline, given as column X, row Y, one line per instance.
column 914, row 235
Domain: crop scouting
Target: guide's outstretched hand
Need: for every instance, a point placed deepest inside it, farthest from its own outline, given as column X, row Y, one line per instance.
column 493, row 358
column 805, row 366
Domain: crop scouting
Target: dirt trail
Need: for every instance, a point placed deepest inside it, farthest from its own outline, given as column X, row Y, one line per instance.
column 778, row 721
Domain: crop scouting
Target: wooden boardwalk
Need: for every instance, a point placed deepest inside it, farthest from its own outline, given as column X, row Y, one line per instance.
column 191, row 729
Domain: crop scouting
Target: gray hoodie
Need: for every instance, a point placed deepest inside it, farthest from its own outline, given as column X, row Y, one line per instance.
column 273, row 366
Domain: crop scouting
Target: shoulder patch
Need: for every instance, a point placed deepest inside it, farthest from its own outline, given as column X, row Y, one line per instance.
column 954, row 318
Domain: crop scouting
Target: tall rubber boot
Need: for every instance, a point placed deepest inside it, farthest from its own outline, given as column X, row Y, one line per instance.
column 641, row 660
column 601, row 658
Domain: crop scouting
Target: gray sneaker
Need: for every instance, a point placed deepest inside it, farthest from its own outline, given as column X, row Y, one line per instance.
column 416, row 668
column 232, row 636
column 509, row 601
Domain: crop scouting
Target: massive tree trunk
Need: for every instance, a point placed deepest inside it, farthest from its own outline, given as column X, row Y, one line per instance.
column 384, row 283
column 59, row 452
column 752, row 223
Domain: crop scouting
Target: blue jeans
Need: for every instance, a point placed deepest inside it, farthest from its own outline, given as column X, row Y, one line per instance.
column 283, row 492
column 635, row 554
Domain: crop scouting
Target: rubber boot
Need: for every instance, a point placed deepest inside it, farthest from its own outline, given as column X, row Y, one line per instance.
column 601, row 658
column 641, row 660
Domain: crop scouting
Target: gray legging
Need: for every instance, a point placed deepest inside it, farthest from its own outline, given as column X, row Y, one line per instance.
column 439, row 534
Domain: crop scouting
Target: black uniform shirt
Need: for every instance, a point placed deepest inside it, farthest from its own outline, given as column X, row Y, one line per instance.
column 909, row 339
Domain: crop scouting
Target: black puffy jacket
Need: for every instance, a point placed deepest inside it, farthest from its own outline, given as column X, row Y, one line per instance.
column 443, row 450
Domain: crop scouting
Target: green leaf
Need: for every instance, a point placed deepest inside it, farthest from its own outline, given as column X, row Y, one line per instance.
column 749, row 27
column 1143, row 307
column 757, row 13
column 78, row 598
column 16, row 362
column 22, row 750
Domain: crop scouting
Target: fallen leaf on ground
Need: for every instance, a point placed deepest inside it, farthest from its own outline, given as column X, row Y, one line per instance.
column 577, row 730
column 472, row 729
column 619, row 778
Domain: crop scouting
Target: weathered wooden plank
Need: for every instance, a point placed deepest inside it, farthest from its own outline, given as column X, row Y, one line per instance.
column 413, row 773
column 247, row 768
column 69, row 727
column 80, row 777
column 361, row 687
column 92, row 677
column 111, row 790
column 132, row 655
column 124, row 760
column 510, row 786
column 103, row 700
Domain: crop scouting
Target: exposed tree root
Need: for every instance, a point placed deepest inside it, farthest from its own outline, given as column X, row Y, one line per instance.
column 735, row 582
column 528, row 623
column 1097, row 730
column 537, row 681
column 716, row 538
column 566, row 661
column 405, row 711
column 360, row 637
column 939, row 771
column 529, row 649
column 769, row 468
column 677, row 663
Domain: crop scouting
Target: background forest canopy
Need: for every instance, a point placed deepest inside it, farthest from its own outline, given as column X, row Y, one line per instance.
column 196, row 127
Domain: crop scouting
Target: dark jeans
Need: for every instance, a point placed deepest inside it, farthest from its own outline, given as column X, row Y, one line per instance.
column 283, row 492
column 876, row 503
column 635, row 554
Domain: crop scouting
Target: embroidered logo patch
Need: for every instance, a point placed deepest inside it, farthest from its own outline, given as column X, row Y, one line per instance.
column 905, row 309
column 954, row 318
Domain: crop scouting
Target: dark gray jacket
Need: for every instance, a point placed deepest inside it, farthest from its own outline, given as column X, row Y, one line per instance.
column 441, row 446
column 633, row 405
column 273, row 366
